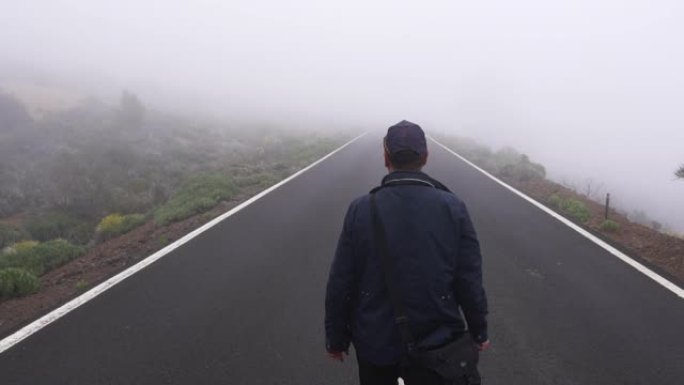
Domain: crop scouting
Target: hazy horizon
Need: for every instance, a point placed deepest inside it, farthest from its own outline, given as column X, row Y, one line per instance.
column 591, row 89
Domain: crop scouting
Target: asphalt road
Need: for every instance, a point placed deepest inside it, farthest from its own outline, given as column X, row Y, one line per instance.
column 243, row 302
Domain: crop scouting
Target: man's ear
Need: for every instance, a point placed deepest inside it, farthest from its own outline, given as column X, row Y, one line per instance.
column 387, row 160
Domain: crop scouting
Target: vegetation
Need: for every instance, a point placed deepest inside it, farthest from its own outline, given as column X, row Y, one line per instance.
column 505, row 163
column 97, row 171
column 570, row 207
column 195, row 196
column 16, row 282
column 10, row 235
column 610, row 226
column 680, row 173
column 44, row 226
column 261, row 179
column 163, row 240
column 81, row 286
column 555, row 201
column 116, row 224
column 94, row 160
column 39, row 258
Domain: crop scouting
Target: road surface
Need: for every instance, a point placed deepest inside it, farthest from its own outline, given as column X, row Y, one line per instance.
column 243, row 302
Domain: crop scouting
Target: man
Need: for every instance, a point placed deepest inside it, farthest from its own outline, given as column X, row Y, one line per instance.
column 436, row 256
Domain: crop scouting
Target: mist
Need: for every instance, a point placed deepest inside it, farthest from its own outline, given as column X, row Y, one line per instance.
column 591, row 89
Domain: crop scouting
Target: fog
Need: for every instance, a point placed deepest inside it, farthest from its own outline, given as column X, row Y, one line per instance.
column 592, row 89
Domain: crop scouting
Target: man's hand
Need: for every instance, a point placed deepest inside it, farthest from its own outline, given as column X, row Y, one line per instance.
column 483, row 346
column 337, row 356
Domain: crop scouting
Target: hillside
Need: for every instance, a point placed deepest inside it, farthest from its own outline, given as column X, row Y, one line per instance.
column 660, row 251
column 76, row 179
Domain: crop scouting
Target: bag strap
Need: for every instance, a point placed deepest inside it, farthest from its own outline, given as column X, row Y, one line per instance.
column 391, row 281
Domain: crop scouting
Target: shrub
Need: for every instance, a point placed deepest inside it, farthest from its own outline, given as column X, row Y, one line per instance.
column 16, row 282
column 570, row 207
column 163, row 240
column 116, row 224
column 39, row 258
column 195, row 196
column 111, row 224
column 52, row 225
column 132, row 221
column 24, row 246
column 610, row 226
column 11, row 256
column 507, row 162
column 529, row 171
column 10, row 234
column 576, row 209
column 506, row 156
column 555, row 201
column 81, row 286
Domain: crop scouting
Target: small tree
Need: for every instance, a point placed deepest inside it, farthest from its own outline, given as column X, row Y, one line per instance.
column 680, row 173
column 131, row 111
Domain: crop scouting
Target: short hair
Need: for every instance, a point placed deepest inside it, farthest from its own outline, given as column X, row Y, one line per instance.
column 406, row 160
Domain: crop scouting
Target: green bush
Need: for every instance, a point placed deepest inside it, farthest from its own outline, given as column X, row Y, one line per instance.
column 163, row 240
column 10, row 234
column 610, row 226
column 52, row 225
column 555, row 201
column 571, row 207
column 509, row 163
column 195, row 196
column 39, row 258
column 117, row 224
column 16, row 282
column 576, row 209
column 81, row 286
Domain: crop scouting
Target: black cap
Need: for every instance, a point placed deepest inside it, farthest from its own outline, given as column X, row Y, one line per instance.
column 405, row 136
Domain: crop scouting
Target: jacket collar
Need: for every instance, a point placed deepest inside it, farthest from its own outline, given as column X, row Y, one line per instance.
column 396, row 178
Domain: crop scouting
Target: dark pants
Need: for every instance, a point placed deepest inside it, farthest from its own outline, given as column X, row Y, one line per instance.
column 370, row 374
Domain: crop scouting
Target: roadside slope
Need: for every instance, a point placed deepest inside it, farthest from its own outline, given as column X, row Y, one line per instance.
column 563, row 310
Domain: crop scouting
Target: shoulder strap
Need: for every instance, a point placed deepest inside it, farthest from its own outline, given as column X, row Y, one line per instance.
column 400, row 317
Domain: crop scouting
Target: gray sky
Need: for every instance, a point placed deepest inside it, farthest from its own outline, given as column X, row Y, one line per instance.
column 591, row 88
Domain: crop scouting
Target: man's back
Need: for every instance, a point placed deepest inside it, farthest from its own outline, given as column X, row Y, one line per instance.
column 436, row 254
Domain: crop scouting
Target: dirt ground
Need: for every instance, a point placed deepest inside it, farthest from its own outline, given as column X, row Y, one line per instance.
column 664, row 253
column 101, row 262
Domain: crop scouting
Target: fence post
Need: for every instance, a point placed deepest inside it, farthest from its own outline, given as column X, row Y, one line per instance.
column 607, row 205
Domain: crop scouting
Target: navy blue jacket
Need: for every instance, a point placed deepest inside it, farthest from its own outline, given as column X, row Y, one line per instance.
column 438, row 263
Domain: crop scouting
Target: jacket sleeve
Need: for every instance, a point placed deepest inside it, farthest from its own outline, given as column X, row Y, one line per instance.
column 340, row 289
column 468, row 282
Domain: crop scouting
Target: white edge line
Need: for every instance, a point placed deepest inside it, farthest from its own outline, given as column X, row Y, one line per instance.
column 622, row 256
column 58, row 313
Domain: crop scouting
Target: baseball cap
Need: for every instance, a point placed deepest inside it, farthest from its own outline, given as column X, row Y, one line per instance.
column 405, row 136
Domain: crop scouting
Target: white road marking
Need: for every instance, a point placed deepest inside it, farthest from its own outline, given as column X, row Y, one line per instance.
column 58, row 313
column 622, row 256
